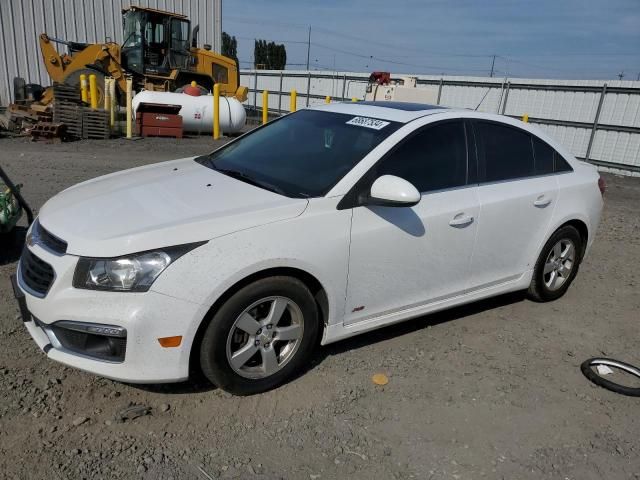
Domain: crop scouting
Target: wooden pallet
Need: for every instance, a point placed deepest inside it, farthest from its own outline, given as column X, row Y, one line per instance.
column 80, row 119
column 95, row 124
column 70, row 114
column 67, row 93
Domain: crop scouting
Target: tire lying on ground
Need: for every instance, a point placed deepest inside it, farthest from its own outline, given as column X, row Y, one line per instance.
column 587, row 370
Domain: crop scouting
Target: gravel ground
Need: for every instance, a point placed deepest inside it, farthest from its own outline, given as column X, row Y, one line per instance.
column 490, row 390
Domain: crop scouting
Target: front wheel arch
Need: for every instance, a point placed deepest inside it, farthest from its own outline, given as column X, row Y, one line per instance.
column 311, row 282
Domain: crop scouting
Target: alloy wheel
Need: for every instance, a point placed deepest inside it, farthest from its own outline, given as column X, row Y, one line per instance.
column 265, row 337
column 559, row 264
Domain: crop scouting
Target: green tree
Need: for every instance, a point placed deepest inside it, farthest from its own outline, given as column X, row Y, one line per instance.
column 270, row 56
column 229, row 46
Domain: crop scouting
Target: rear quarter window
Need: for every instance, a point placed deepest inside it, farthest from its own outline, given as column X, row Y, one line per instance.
column 548, row 160
column 560, row 164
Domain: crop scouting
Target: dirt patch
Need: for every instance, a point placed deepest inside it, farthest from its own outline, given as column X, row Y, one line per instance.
column 490, row 390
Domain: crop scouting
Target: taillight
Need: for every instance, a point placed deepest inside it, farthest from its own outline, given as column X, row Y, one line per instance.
column 602, row 185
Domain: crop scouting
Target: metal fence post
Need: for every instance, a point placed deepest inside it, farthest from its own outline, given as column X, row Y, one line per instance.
column 308, row 86
column 501, row 95
column 506, row 97
column 344, row 85
column 280, row 94
column 595, row 122
column 439, row 90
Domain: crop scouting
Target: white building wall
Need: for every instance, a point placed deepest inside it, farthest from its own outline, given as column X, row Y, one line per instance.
column 90, row 21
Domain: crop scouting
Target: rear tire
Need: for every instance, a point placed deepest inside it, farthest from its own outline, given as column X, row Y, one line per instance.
column 261, row 336
column 557, row 265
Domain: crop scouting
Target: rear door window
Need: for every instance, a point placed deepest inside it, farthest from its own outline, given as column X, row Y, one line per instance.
column 544, row 157
column 504, row 152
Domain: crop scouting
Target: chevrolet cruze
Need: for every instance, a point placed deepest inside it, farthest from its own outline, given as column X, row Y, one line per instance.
column 323, row 224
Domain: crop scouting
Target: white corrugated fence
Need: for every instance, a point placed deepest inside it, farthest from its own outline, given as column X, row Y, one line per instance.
column 595, row 119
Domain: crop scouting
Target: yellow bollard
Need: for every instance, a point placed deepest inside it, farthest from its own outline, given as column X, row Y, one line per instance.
column 113, row 106
column 129, row 107
column 293, row 104
column 93, row 92
column 265, row 106
column 354, row 99
column 216, row 111
column 83, row 88
column 327, row 99
column 525, row 118
column 107, row 93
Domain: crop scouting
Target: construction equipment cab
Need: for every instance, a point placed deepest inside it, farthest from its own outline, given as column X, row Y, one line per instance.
column 159, row 51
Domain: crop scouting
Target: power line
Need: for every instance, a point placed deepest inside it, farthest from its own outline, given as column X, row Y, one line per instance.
column 438, row 68
column 395, row 62
column 422, row 53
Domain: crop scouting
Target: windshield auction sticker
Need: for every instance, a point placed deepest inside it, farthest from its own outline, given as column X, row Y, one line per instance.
column 368, row 122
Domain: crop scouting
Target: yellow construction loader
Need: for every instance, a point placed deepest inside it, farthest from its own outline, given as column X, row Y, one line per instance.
column 159, row 52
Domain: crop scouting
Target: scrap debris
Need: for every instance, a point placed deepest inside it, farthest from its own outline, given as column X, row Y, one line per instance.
column 380, row 379
column 58, row 115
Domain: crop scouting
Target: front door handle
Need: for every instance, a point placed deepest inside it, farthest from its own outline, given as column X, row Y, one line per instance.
column 461, row 220
column 542, row 201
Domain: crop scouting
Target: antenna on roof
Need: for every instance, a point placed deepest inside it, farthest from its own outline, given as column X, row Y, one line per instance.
column 483, row 97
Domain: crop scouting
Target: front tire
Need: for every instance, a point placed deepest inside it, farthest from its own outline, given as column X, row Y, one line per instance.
column 557, row 265
column 73, row 79
column 261, row 336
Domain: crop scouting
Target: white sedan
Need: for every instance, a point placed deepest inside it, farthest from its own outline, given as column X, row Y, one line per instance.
column 323, row 224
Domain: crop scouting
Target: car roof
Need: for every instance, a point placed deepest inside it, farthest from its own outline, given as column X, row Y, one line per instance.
column 402, row 112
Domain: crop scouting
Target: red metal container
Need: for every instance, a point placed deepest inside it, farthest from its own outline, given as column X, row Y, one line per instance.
column 158, row 120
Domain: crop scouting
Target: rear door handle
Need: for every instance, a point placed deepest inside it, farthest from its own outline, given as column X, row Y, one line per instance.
column 461, row 220
column 542, row 201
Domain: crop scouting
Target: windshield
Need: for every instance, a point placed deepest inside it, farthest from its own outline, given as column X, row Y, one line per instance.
column 303, row 154
column 132, row 30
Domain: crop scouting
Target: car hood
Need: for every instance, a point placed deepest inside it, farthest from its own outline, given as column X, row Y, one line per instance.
column 164, row 204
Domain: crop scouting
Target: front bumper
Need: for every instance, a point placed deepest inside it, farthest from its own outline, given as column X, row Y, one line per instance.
column 144, row 317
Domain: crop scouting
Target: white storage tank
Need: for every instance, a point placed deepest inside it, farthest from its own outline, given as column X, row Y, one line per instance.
column 197, row 111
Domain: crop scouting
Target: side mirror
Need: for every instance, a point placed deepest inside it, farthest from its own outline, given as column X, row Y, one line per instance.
column 392, row 191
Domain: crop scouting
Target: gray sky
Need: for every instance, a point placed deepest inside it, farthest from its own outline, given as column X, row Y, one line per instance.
column 571, row 39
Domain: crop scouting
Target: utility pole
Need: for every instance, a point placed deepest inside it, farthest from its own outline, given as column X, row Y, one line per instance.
column 493, row 62
column 308, row 47
column 620, row 75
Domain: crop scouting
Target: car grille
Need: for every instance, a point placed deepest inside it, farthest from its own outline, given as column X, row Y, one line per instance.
column 37, row 274
column 49, row 240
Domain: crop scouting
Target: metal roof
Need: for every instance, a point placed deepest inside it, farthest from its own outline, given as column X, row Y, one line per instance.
column 406, row 106
column 134, row 8
column 391, row 111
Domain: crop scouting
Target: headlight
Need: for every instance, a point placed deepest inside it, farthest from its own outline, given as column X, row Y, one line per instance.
column 130, row 273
